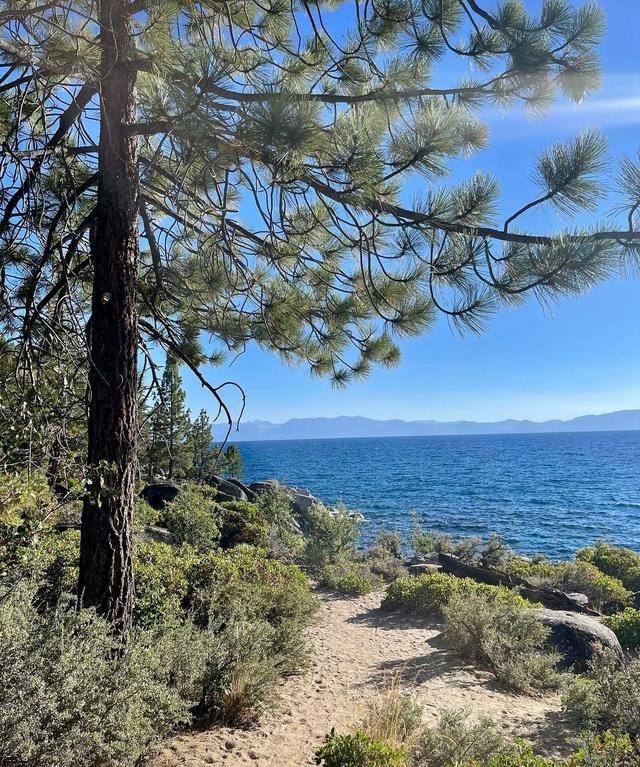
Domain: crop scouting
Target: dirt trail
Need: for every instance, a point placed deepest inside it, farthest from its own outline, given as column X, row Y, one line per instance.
column 357, row 650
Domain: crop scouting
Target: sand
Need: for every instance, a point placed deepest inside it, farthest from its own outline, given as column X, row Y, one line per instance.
column 356, row 651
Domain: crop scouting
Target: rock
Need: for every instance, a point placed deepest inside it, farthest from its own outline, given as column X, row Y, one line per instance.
column 231, row 490
column 251, row 496
column 229, row 744
column 152, row 533
column 573, row 636
column 581, row 599
column 635, row 600
column 159, row 494
column 425, row 559
column 424, row 568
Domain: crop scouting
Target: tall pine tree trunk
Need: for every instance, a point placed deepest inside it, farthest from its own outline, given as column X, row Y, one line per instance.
column 106, row 566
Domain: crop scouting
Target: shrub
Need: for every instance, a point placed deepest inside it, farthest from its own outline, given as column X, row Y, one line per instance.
column 67, row 698
column 496, row 552
column 392, row 717
column 245, row 581
column 503, row 637
column 604, row 591
column 607, row 697
column 466, row 549
column 616, row 561
column 522, row 756
column 143, row 514
column 626, row 626
column 243, row 661
column 384, row 557
column 161, row 578
column 237, row 529
column 427, row 595
column 457, row 739
column 608, row 749
column 350, row 578
column 330, row 537
column 358, row 750
column 193, row 516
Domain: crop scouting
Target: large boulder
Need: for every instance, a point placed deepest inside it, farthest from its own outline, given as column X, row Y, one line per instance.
column 229, row 489
column 159, row 494
column 573, row 635
column 153, row 534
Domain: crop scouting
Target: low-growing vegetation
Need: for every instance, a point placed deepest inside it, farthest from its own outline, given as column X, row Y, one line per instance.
column 500, row 635
column 427, row 595
column 626, row 626
column 459, row 739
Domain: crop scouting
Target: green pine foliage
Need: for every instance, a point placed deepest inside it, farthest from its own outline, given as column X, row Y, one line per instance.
column 169, row 445
column 314, row 132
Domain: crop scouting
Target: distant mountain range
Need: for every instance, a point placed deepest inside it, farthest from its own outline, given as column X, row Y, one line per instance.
column 356, row 426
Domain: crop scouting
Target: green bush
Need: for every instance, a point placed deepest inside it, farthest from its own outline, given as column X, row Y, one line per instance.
column 427, row 595
column 246, row 585
column 522, row 756
column 616, row 561
column 68, row 699
column 330, row 537
column 243, row 659
column 193, row 517
column 605, row 592
column 504, row 638
column 358, row 750
column 626, row 626
column 237, row 529
column 457, row 739
column 384, row 557
column 350, row 578
column 608, row 749
column 607, row 697
column 144, row 514
column 161, row 578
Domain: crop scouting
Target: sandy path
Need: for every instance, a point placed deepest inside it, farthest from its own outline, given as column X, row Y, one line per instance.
column 357, row 650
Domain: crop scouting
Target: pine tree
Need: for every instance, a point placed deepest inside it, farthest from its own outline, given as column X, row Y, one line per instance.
column 204, row 454
column 231, row 462
column 170, row 448
column 238, row 171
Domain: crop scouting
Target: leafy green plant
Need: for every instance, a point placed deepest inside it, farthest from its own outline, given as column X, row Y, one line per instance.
column 521, row 756
column 605, row 592
column 427, row 595
column 607, row 749
column 617, row 561
column 144, row 514
column 358, row 750
column 458, row 739
column 350, row 578
column 331, row 537
column 506, row 639
column 626, row 626
column 68, row 698
column 161, row 573
column 607, row 697
column 193, row 517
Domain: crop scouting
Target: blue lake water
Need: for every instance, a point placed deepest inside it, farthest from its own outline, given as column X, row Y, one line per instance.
column 544, row 492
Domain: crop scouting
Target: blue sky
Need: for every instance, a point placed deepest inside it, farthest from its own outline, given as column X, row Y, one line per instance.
column 580, row 356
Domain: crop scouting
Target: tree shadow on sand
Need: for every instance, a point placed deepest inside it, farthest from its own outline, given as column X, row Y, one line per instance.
column 377, row 618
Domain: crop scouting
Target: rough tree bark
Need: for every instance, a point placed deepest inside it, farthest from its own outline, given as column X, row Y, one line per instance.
column 106, row 566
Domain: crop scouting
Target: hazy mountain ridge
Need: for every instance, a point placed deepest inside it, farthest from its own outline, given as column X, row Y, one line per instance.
column 358, row 426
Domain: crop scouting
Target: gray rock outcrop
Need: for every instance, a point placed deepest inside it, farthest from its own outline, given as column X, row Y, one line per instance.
column 573, row 635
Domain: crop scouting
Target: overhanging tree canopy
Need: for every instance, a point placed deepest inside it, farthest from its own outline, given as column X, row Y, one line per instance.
column 261, row 154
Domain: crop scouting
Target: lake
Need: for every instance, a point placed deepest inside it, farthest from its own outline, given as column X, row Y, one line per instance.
column 550, row 493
